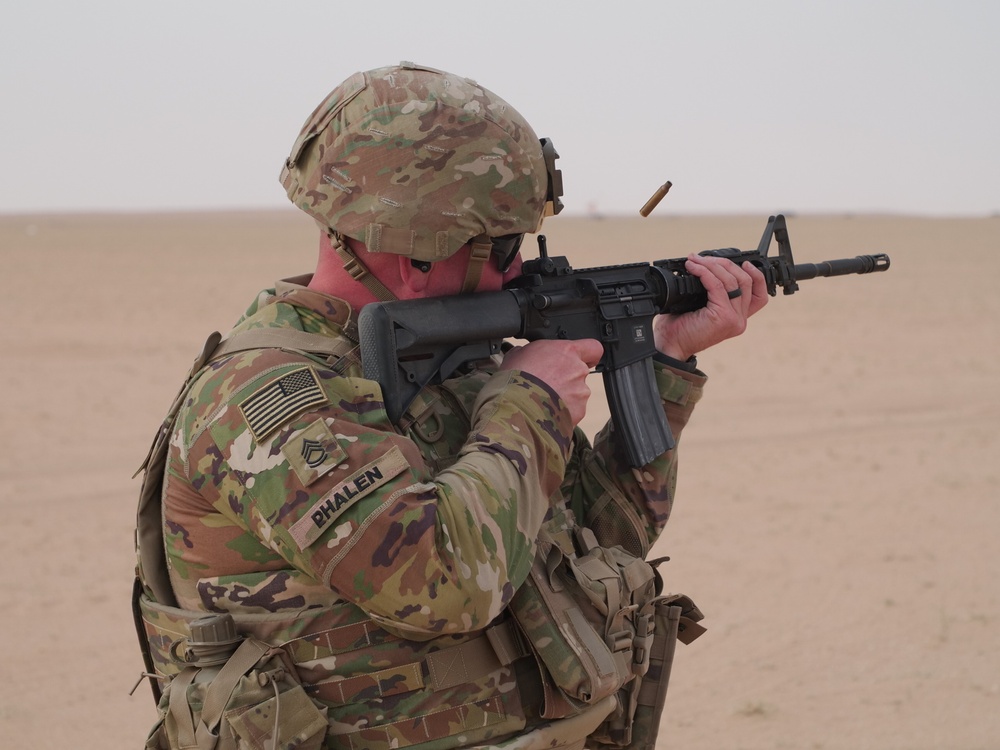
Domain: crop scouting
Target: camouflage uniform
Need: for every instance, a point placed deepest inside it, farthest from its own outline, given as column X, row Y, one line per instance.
column 292, row 502
column 394, row 567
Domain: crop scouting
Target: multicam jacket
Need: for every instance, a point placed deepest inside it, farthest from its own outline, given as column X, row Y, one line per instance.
column 289, row 497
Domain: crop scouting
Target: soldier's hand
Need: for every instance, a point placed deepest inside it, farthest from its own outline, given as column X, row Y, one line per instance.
column 734, row 294
column 562, row 365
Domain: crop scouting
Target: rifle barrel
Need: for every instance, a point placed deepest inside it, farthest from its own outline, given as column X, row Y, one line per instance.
column 842, row 266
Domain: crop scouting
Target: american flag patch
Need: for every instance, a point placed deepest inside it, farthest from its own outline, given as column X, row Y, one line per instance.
column 278, row 401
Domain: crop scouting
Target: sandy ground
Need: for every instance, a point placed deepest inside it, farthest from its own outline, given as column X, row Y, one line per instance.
column 838, row 509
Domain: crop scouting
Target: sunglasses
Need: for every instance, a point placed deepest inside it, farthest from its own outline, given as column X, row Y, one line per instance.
column 505, row 249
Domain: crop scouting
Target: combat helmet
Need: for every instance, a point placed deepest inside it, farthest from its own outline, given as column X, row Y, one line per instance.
column 418, row 162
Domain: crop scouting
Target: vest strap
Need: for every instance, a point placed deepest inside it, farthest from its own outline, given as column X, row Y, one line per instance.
column 180, row 711
column 359, row 272
column 284, row 338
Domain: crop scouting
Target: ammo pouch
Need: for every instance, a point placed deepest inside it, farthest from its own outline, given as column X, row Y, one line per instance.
column 234, row 694
column 598, row 627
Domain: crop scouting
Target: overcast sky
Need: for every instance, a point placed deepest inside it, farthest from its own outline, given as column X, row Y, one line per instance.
column 847, row 106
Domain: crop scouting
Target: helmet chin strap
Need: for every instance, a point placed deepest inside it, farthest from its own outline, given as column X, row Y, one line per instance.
column 358, row 271
column 482, row 249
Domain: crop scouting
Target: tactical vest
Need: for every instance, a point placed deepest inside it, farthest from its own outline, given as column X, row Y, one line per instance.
column 582, row 654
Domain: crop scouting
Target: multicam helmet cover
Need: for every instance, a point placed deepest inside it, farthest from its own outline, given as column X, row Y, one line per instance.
column 417, row 162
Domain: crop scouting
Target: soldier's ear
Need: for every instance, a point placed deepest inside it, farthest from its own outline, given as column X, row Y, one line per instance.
column 413, row 278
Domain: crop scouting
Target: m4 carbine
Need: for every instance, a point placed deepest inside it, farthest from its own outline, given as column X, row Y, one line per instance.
column 408, row 344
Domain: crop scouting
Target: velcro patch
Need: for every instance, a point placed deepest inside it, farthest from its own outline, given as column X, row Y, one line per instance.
column 307, row 529
column 274, row 404
column 312, row 452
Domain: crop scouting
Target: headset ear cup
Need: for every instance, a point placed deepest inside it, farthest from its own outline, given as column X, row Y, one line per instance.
column 554, row 191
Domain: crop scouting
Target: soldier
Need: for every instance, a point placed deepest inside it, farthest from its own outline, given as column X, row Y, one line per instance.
column 380, row 569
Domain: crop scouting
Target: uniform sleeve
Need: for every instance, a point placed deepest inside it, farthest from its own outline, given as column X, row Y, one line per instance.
column 343, row 497
column 625, row 505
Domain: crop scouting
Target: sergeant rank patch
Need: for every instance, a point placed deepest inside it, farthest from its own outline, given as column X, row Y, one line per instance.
column 271, row 406
column 313, row 452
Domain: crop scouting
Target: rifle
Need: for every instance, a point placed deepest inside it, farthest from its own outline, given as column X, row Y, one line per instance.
column 408, row 344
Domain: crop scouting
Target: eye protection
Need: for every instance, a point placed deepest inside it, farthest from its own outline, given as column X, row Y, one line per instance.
column 505, row 250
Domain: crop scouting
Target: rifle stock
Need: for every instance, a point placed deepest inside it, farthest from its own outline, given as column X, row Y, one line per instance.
column 407, row 345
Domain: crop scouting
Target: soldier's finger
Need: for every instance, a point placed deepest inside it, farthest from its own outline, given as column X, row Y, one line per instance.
column 758, row 296
column 590, row 351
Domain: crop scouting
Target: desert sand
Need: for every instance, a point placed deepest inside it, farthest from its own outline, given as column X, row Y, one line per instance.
column 837, row 518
